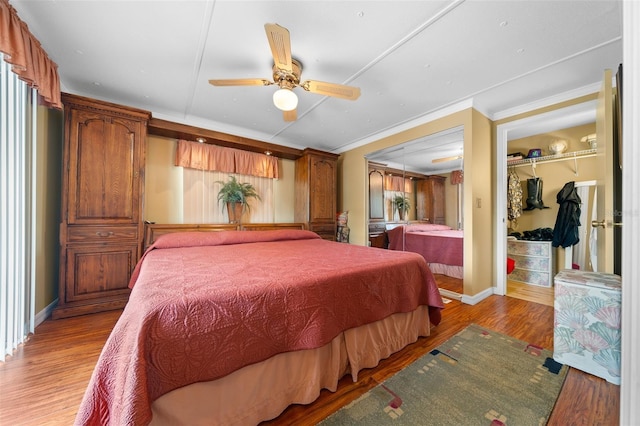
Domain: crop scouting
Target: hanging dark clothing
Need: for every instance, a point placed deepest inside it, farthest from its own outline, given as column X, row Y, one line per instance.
column 565, row 233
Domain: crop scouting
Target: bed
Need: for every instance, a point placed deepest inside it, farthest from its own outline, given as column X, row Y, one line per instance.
column 231, row 327
column 440, row 245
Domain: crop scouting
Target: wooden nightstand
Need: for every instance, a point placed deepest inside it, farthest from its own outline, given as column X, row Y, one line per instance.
column 378, row 235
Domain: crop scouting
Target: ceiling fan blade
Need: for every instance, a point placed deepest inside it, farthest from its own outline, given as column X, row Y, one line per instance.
column 444, row 159
column 290, row 115
column 241, row 82
column 280, row 43
column 331, row 89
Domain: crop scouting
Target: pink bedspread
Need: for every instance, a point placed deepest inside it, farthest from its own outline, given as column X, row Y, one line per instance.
column 206, row 304
column 441, row 246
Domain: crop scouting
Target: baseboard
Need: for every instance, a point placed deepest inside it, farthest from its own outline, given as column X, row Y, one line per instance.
column 45, row 313
column 472, row 300
column 450, row 294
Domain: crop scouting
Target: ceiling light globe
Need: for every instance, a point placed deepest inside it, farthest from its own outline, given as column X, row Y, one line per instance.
column 285, row 100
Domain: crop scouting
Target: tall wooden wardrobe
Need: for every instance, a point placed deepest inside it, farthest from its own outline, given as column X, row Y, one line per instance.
column 102, row 200
column 430, row 199
column 315, row 192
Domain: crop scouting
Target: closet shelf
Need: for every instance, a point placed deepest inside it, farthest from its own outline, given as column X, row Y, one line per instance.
column 552, row 158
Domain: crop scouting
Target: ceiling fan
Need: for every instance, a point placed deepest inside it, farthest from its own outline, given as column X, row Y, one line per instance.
column 286, row 74
column 445, row 159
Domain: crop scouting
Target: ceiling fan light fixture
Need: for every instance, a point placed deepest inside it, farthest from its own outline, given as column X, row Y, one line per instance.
column 285, row 100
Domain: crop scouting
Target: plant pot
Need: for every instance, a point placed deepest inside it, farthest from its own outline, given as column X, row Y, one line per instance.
column 234, row 211
column 401, row 214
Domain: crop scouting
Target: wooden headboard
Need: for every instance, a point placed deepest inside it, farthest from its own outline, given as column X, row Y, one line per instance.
column 153, row 230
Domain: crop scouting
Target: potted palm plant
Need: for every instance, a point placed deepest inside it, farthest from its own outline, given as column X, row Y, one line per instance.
column 401, row 203
column 235, row 196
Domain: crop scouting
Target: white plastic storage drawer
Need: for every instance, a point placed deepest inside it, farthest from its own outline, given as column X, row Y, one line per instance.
column 534, row 262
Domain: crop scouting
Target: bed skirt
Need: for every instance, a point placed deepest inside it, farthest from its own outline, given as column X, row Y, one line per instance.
column 262, row 391
column 448, row 270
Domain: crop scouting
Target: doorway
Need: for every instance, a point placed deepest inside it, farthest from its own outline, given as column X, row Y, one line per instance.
column 563, row 118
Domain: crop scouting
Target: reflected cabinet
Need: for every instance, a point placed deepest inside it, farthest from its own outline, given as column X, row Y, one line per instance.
column 376, row 195
column 430, row 199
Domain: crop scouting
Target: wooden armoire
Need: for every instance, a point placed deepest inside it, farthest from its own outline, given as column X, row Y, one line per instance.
column 101, row 229
column 430, row 199
column 315, row 192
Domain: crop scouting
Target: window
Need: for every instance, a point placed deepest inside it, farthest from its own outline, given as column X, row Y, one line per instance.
column 200, row 198
column 17, row 207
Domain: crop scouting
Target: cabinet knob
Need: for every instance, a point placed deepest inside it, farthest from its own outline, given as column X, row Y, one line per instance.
column 104, row 234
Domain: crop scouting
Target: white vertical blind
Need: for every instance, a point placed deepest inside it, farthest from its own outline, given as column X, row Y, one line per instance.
column 201, row 204
column 17, row 261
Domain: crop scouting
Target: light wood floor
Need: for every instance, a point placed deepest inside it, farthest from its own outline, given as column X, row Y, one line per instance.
column 43, row 383
column 532, row 293
column 516, row 289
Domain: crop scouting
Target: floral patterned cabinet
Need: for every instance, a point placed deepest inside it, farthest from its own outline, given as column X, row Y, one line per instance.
column 587, row 322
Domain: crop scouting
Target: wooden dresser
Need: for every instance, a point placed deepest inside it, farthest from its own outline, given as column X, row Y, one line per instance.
column 378, row 235
column 430, row 200
column 102, row 194
column 315, row 192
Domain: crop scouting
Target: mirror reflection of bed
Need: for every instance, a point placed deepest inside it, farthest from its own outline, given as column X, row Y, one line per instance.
column 428, row 172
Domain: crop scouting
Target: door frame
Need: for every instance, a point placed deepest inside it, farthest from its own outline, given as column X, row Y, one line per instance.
column 562, row 118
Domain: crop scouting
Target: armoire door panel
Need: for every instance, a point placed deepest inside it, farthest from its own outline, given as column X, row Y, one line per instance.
column 104, row 184
column 315, row 192
column 98, row 271
column 430, row 200
column 323, row 202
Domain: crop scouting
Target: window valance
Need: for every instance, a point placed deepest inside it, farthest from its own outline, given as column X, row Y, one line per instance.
column 28, row 59
column 457, row 177
column 397, row 183
column 202, row 156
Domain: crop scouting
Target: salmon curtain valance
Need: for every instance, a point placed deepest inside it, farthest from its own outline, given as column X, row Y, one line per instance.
column 28, row 59
column 202, row 156
column 397, row 183
column 457, row 177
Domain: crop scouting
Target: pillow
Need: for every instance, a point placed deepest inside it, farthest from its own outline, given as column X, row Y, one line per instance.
column 426, row 227
column 219, row 238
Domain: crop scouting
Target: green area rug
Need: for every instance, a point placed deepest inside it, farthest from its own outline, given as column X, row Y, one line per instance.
column 478, row 377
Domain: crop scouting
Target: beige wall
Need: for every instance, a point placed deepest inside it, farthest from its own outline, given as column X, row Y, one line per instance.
column 49, row 144
column 163, row 185
column 283, row 192
column 450, row 202
column 478, row 205
column 162, row 182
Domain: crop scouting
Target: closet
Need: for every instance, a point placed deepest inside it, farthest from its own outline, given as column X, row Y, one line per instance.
column 536, row 260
